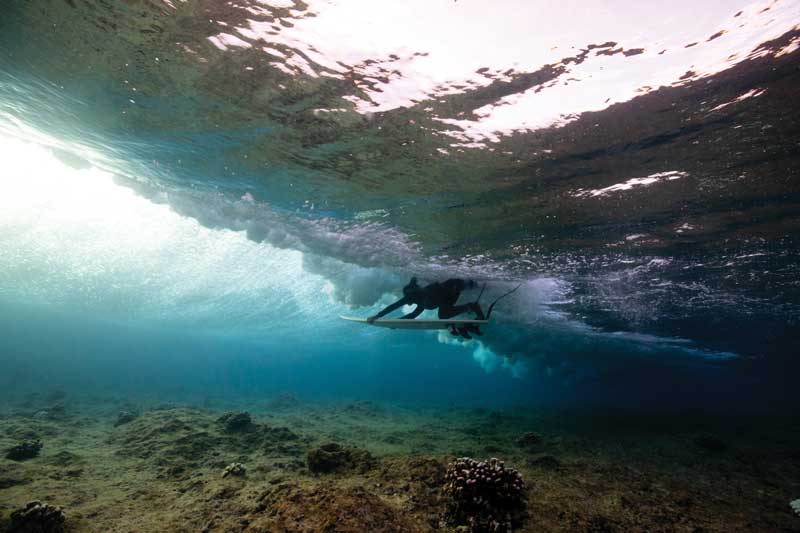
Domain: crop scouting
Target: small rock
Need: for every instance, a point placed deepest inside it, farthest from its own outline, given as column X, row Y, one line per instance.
column 333, row 457
column 276, row 434
column 686, row 501
column 236, row 422
column 56, row 396
column 327, row 458
column 37, row 517
column 234, row 469
column 125, row 417
column 55, row 412
column 12, row 474
column 25, row 450
column 528, row 440
column 710, row 442
column 543, row 460
column 283, row 401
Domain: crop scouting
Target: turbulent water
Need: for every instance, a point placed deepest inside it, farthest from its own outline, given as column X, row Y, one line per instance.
column 191, row 192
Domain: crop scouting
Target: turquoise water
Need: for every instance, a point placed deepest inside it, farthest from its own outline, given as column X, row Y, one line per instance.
column 192, row 192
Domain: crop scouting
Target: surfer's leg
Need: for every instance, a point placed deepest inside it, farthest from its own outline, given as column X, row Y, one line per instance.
column 464, row 332
column 449, row 311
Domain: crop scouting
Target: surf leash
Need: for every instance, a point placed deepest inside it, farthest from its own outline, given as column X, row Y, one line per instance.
column 481, row 293
column 489, row 311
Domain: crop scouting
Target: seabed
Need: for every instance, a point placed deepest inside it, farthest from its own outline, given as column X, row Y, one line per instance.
column 136, row 464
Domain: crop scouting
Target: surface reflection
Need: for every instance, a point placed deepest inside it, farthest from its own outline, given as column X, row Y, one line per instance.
column 543, row 63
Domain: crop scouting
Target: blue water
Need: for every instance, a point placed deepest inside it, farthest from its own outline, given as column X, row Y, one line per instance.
column 191, row 193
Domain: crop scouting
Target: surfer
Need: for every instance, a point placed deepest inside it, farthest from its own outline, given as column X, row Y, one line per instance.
column 442, row 295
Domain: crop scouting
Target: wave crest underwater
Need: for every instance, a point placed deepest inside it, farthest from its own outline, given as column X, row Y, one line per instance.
column 249, row 172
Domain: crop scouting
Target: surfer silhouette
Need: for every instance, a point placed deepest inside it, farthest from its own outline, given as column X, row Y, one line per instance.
column 442, row 295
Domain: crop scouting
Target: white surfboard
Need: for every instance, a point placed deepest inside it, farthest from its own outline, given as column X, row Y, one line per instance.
column 416, row 323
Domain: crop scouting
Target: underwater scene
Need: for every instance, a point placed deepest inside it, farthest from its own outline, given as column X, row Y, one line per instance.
column 384, row 266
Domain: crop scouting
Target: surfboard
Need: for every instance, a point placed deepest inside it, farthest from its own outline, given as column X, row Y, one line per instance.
column 416, row 323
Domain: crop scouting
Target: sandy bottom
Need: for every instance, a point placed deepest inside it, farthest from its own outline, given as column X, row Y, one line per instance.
column 585, row 471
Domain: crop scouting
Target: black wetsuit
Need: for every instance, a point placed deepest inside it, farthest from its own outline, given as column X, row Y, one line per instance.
column 442, row 295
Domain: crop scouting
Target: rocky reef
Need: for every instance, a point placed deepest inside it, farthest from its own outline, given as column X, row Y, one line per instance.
column 324, row 467
column 24, row 450
column 37, row 517
column 484, row 495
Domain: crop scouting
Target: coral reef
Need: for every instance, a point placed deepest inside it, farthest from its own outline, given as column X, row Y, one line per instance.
column 333, row 457
column 37, row 517
column 24, row 450
column 484, row 495
column 236, row 422
column 235, row 470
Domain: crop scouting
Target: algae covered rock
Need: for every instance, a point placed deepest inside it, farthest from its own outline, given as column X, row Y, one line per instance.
column 37, row 517
column 326, row 507
column 528, row 440
column 281, row 440
column 236, row 422
column 333, row 457
column 544, row 460
column 55, row 413
column 125, row 417
column 12, row 474
column 24, row 451
column 235, row 470
column 484, row 495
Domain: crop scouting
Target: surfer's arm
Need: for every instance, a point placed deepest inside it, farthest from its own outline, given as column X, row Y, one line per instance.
column 415, row 313
column 398, row 304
